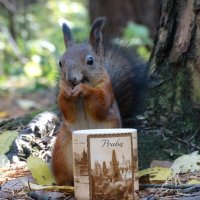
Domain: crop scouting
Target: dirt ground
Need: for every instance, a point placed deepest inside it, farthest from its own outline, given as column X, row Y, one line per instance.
column 16, row 104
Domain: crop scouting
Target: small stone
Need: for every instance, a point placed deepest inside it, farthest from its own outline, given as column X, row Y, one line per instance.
column 140, row 117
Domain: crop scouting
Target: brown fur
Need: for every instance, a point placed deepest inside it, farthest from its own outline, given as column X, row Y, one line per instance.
column 62, row 157
column 86, row 99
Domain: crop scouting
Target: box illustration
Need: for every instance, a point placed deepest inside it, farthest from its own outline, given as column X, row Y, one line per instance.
column 105, row 164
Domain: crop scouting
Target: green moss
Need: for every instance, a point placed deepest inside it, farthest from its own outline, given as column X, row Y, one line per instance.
column 195, row 86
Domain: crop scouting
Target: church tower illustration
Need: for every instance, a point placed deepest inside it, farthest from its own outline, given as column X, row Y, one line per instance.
column 104, row 169
column 114, row 164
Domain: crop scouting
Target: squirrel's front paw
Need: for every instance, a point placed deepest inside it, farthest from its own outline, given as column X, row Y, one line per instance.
column 68, row 92
column 78, row 90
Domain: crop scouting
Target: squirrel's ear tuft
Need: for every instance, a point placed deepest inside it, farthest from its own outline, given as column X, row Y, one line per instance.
column 96, row 34
column 67, row 35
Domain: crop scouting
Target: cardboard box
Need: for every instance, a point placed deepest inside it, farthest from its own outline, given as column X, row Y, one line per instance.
column 105, row 164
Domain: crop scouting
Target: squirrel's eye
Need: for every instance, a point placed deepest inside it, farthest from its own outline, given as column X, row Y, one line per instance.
column 60, row 64
column 90, row 60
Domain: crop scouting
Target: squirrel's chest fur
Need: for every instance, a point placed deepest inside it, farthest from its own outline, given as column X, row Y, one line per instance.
column 85, row 121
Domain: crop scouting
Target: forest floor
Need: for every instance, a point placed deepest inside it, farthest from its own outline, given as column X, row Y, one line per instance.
column 16, row 104
column 13, row 105
column 18, row 184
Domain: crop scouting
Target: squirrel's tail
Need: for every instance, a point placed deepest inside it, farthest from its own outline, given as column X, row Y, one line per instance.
column 129, row 80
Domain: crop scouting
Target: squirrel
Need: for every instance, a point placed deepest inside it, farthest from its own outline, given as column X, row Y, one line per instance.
column 96, row 90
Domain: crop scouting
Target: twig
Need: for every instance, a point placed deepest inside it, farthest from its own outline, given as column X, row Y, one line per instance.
column 195, row 133
column 194, row 196
column 168, row 133
column 29, row 186
column 194, row 188
column 168, row 186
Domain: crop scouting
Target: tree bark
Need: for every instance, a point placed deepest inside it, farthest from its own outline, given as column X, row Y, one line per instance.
column 118, row 13
column 175, row 72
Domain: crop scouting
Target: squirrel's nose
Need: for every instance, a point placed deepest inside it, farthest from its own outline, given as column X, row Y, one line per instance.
column 73, row 80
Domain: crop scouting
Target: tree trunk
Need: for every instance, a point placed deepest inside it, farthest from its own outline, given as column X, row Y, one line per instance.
column 175, row 72
column 118, row 13
column 147, row 13
column 10, row 9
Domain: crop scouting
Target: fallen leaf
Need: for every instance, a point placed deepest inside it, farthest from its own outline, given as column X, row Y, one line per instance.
column 160, row 174
column 33, row 186
column 186, row 163
column 40, row 171
column 193, row 182
column 3, row 114
column 156, row 174
column 144, row 172
column 6, row 140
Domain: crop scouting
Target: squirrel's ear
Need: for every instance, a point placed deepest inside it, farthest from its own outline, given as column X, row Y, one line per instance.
column 96, row 34
column 67, row 35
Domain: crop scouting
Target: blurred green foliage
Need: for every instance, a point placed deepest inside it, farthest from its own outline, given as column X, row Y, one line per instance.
column 139, row 36
column 32, row 53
